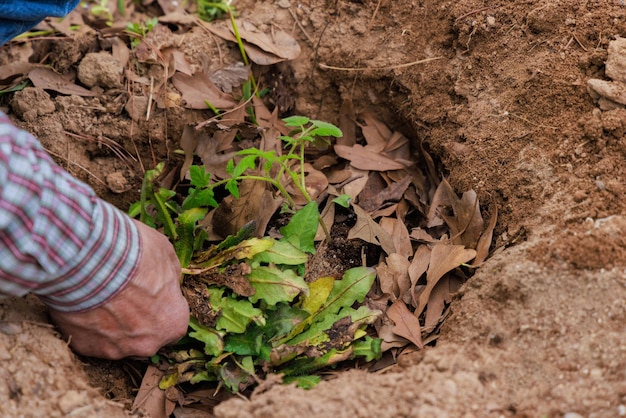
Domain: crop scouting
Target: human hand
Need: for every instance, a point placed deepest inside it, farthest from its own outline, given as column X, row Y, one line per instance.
column 148, row 313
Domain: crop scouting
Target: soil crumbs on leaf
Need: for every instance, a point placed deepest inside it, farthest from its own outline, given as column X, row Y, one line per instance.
column 508, row 112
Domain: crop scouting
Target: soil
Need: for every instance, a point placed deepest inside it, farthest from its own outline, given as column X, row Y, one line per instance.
column 504, row 107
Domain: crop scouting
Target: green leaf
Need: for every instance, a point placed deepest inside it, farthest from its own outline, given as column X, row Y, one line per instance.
column 235, row 314
column 353, row 287
column 343, row 200
column 303, row 382
column 302, row 227
column 325, row 129
column 369, row 347
column 296, row 120
column 186, row 233
column 212, row 339
column 274, row 285
column 199, row 177
column 249, row 343
column 281, row 321
column 319, row 332
column 248, row 162
column 282, row 252
column 307, row 365
column 199, row 198
column 318, row 294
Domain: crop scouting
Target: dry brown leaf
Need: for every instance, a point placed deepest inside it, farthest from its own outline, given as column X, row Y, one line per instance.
column 150, row 398
column 390, row 339
column 406, row 324
column 199, row 89
column 188, row 142
column 392, row 193
column 369, row 231
column 482, row 248
column 398, row 147
column 366, row 159
column 398, row 265
column 255, row 203
column 369, row 196
column 262, row 49
column 120, row 51
column 436, row 303
column 376, row 133
column 385, row 211
column 441, row 199
column 180, row 63
column 418, row 234
column 399, row 234
column 347, row 124
column 418, row 266
column 214, row 161
column 326, row 161
column 467, row 223
column 357, row 182
column 230, row 77
column 10, row 72
column 444, row 257
column 47, row 79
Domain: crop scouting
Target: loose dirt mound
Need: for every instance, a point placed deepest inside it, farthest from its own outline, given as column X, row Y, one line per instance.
column 539, row 330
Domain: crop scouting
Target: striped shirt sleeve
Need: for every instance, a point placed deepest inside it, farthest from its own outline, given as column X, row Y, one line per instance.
column 58, row 240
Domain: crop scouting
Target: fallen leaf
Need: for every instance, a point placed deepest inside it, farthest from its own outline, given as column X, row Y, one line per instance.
column 356, row 183
column 369, row 231
column 47, row 79
column 262, row 49
column 150, row 398
column 228, row 78
column 406, row 324
column 393, row 277
column 444, row 257
column 253, row 204
column 467, row 223
column 418, row 266
column 436, row 303
column 392, row 193
column 376, row 133
column 482, row 248
column 390, row 338
column 198, row 89
column 347, row 124
column 188, row 143
column 9, row 72
column 120, row 51
column 365, row 159
column 399, row 235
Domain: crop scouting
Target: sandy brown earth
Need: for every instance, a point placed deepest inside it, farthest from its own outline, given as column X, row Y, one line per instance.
column 540, row 330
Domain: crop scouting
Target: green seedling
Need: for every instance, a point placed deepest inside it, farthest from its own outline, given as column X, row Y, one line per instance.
column 213, row 10
column 138, row 31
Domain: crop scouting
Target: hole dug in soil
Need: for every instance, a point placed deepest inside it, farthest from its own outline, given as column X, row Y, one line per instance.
column 539, row 329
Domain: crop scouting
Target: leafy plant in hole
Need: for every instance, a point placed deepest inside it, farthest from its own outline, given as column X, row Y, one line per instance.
column 263, row 318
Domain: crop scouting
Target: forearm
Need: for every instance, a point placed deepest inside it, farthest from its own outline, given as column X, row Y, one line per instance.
column 57, row 238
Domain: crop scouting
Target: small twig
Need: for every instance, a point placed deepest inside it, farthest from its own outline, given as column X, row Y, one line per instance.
column 79, row 166
column 295, row 19
column 150, row 98
column 390, row 67
column 482, row 9
column 369, row 26
column 579, row 43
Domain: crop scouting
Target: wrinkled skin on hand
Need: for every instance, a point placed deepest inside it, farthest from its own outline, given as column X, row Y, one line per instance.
column 148, row 313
